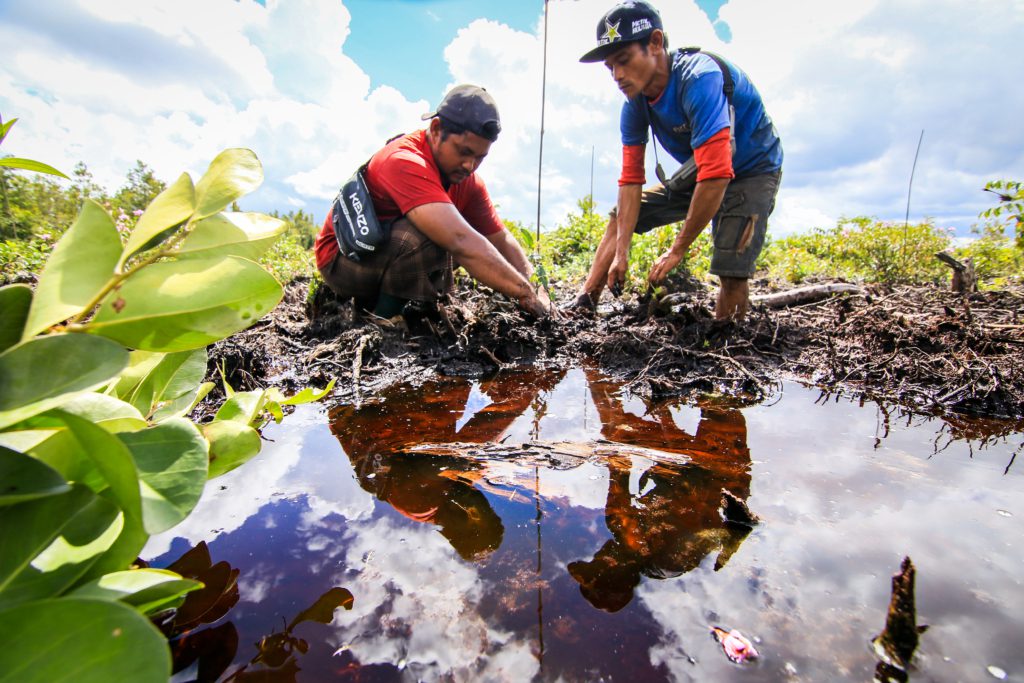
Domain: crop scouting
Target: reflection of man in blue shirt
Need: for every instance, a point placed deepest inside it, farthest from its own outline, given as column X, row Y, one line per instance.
column 708, row 116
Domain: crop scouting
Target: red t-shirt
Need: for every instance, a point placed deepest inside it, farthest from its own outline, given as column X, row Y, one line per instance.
column 402, row 176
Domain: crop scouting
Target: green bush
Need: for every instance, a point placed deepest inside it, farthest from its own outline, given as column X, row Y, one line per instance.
column 862, row 249
column 100, row 365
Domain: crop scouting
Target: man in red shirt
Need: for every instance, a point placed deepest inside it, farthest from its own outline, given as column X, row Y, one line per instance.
column 426, row 183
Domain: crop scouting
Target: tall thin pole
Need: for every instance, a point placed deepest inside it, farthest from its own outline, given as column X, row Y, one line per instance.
column 913, row 168
column 591, row 179
column 543, row 94
column 906, row 218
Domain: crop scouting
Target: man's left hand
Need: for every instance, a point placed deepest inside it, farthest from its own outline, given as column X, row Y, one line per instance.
column 617, row 273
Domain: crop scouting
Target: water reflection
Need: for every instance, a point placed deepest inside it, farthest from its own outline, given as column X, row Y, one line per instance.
column 431, row 489
column 559, row 529
column 665, row 520
column 662, row 513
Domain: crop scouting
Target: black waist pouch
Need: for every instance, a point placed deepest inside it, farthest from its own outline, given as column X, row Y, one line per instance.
column 356, row 227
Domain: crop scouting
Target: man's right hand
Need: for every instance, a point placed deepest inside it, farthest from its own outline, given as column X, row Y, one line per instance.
column 539, row 305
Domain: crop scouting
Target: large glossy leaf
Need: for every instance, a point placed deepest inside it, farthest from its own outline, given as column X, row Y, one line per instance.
column 81, row 265
column 148, row 590
column 23, row 478
column 182, row 305
column 81, row 542
column 76, row 640
column 231, row 444
column 112, row 460
column 248, row 235
column 171, row 208
column 172, row 461
column 42, row 373
column 28, row 528
column 15, row 301
column 233, row 174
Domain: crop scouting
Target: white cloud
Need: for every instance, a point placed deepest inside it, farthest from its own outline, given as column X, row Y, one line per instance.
column 850, row 86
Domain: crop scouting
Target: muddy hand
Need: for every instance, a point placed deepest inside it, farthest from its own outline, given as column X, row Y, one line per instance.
column 663, row 266
column 545, row 302
column 617, row 275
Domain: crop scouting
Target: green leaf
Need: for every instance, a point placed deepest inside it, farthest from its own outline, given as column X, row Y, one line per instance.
column 243, row 406
column 43, row 373
column 172, row 461
column 233, row 174
column 108, row 412
column 148, row 590
column 15, row 301
column 78, row 546
column 308, row 395
column 28, row 528
column 155, row 378
column 22, row 478
column 80, row 267
column 231, row 444
column 73, row 640
column 30, row 165
column 112, row 459
column 184, row 404
column 181, row 305
column 171, row 208
column 5, row 128
column 116, row 470
column 248, row 235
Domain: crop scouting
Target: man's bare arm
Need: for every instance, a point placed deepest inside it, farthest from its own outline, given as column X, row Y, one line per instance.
column 707, row 198
column 446, row 227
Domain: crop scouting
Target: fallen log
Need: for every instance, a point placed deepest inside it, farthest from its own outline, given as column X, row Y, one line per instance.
column 803, row 295
column 565, row 452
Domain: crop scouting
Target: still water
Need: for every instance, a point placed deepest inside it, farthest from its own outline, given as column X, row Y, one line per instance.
column 604, row 556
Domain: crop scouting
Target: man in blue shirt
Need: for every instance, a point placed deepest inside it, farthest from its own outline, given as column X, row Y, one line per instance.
column 709, row 117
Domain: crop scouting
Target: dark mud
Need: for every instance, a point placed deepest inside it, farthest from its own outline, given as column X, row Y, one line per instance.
column 920, row 347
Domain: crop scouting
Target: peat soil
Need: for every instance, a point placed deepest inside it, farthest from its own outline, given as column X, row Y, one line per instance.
column 923, row 348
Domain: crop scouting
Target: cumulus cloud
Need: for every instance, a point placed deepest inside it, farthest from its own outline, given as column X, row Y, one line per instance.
column 849, row 85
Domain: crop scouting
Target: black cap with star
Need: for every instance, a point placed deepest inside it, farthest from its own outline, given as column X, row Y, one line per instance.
column 627, row 22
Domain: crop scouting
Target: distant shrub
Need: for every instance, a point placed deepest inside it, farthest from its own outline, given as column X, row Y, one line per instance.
column 863, row 249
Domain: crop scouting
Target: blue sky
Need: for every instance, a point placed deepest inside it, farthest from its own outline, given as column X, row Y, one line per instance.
column 406, row 48
column 315, row 86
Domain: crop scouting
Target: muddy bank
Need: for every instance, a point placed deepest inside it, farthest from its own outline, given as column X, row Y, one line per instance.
column 921, row 347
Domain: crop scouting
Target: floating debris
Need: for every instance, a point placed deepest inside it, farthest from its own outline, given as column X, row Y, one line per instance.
column 735, row 511
column 735, row 645
column 895, row 645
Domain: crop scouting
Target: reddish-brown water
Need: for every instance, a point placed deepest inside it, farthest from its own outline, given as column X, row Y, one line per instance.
column 601, row 553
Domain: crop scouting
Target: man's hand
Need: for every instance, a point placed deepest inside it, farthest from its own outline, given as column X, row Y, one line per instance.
column 617, row 273
column 539, row 305
column 664, row 265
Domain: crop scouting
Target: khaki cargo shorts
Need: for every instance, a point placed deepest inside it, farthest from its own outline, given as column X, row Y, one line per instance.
column 738, row 229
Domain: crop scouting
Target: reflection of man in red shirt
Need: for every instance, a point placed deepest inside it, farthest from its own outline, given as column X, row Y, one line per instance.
column 672, row 522
column 426, row 182
column 429, row 488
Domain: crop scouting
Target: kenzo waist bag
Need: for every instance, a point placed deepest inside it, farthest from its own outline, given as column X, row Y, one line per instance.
column 356, row 227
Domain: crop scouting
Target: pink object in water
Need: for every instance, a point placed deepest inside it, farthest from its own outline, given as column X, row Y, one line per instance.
column 735, row 644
